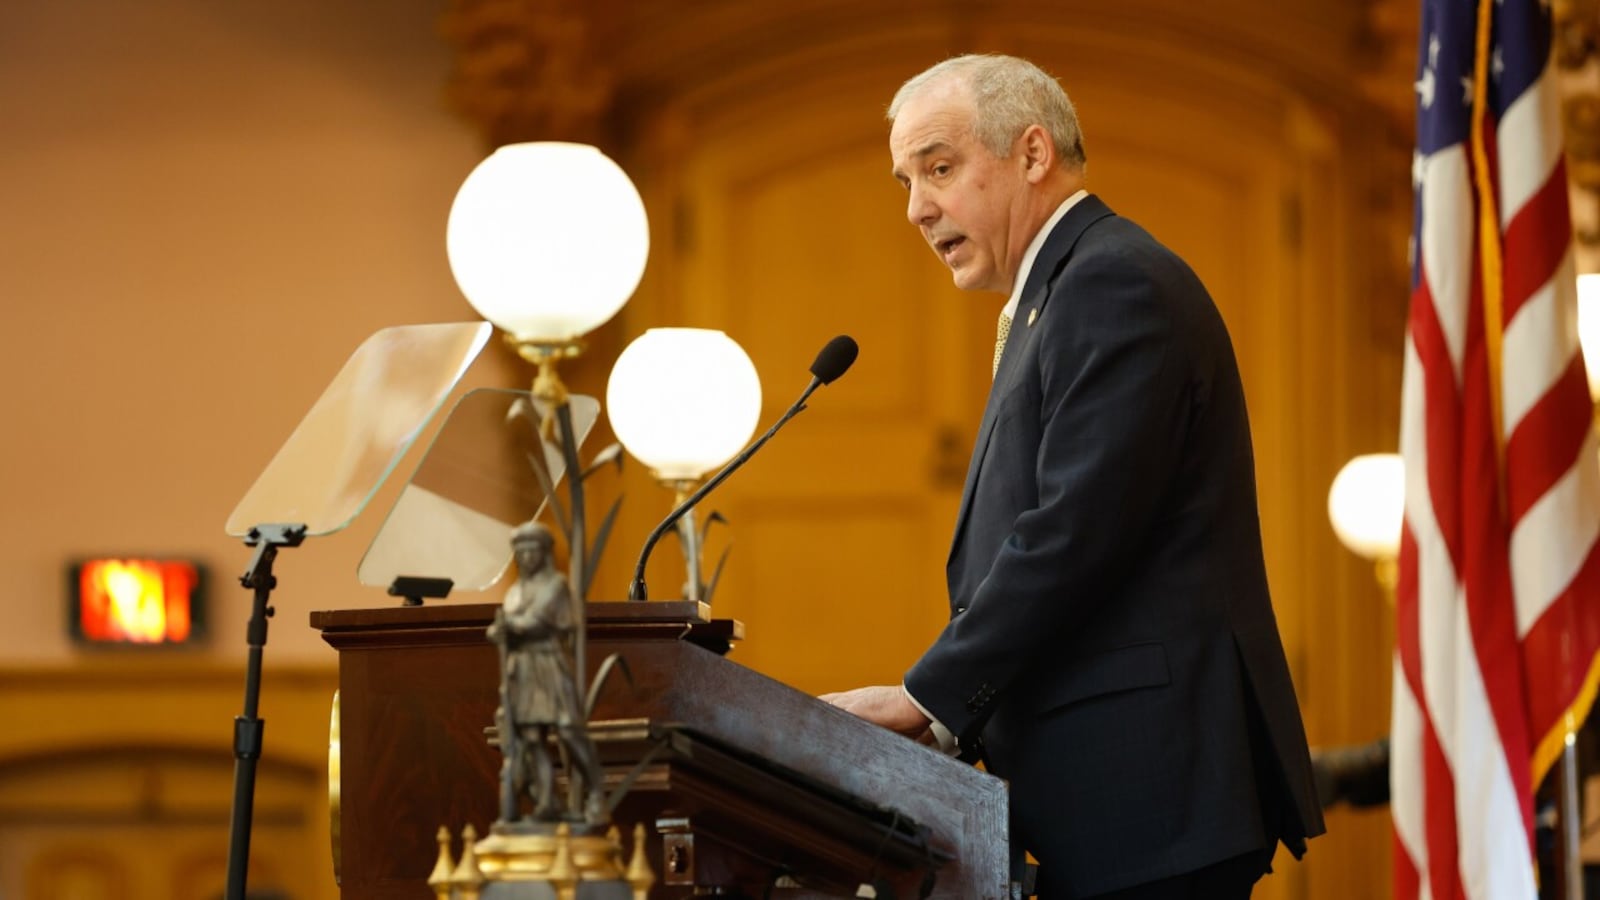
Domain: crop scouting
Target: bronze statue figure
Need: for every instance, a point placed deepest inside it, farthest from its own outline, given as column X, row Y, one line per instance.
column 535, row 629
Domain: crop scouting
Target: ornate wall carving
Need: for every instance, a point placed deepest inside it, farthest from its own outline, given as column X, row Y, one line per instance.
column 529, row 69
column 1388, row 56
column 1577, row 59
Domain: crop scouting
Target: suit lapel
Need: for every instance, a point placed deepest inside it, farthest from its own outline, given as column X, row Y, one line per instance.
column 1053, row 254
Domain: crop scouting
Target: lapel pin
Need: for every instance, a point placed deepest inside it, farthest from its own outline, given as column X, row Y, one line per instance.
column 1033, row 314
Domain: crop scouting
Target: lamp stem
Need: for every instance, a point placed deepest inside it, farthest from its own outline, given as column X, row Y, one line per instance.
column 1387, row 570
column 688, row 529
column 577, row 540
column 689, row 536
column 547, row 385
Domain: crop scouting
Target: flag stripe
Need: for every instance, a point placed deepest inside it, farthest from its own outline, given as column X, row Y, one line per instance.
column 1530, row 138
column 1407, row 883
column 1531, row 257
column 1447, row 249
column 1565, row 631
column 1419, row 616
column 1405, row 756
column 1439, row 814
column 1538, row 339
column 1438, row 424
column 1556, row 536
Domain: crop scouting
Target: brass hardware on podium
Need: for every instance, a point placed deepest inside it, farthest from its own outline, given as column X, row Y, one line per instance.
column 677, row 851
column 531, row 861
column 333, row 787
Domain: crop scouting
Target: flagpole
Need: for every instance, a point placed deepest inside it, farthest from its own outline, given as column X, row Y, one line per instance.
column 1568, row 822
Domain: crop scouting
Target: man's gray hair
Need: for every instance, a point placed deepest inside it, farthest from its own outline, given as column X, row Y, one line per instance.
column 1008, row 94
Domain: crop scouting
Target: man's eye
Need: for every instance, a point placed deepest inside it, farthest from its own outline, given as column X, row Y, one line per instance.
column 941, row 170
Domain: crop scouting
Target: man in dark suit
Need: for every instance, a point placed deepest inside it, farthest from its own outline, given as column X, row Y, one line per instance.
column 1112, row 648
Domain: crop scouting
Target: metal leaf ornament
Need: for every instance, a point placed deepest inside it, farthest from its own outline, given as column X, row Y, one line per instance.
column 553, row 435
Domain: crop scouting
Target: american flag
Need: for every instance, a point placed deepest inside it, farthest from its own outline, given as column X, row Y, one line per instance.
column 1498, row 602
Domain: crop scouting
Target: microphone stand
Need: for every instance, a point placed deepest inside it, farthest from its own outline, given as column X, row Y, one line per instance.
column 637, row 591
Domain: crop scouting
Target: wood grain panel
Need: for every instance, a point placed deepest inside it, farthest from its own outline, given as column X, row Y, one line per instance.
column 789, row 593
column 822, row 249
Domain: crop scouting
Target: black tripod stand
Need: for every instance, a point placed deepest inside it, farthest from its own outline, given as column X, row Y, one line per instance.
column 247, row 728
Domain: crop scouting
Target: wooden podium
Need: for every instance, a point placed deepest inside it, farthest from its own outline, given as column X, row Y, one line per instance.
column 741, row 782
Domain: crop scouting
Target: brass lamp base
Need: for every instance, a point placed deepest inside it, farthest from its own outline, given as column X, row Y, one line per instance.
column 1387, row 570
column 547, row 385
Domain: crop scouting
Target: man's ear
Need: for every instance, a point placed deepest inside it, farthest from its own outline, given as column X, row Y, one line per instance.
column 1038, row 153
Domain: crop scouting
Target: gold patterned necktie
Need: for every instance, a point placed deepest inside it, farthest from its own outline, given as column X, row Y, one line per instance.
column 1001, row 332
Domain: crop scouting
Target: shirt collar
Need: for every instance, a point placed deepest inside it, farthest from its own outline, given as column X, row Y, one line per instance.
column 1033, row 250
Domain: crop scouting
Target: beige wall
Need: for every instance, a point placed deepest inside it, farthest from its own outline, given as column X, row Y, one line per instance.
column 204, row 208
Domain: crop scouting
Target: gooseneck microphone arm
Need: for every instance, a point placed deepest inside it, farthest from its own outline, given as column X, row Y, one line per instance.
column 832, row 362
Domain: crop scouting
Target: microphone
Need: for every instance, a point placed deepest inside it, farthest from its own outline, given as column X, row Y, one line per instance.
column 834, row 360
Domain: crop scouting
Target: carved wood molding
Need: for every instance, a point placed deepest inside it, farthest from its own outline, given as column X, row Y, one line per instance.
column 529, row 69
column 573, row 69
column 1576, row 54
column 1388, row 49
column 1577, row 58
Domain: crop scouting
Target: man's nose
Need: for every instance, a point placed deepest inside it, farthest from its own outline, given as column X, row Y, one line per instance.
column 920, row 209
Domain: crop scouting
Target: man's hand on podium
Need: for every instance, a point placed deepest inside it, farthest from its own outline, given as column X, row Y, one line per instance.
column 885, row 705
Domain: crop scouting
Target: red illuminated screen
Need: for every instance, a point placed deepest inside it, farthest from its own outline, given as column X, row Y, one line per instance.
column 137, row 601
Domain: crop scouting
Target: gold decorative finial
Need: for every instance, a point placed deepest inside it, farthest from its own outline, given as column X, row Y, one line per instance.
column 563, row 875
column 640, row 878
column 468, row 880
column 439, row 880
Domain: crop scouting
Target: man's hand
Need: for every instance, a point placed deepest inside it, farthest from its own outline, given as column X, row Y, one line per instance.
column 884, row 705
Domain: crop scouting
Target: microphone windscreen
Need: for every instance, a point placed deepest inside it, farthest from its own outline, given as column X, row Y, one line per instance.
column 835, row 359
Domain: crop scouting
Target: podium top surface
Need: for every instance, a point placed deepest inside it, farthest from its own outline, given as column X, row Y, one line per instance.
column 457, row 623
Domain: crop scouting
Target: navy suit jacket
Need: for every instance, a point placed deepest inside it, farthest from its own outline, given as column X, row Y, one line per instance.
column 1112, row 647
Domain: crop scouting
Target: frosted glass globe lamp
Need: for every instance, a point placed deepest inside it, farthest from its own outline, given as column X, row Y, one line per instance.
column 684, row 401
column 1589, row 328
column 1366, row 506
column 548, row 241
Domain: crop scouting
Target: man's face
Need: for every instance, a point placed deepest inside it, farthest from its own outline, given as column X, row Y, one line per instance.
column 966, row 201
